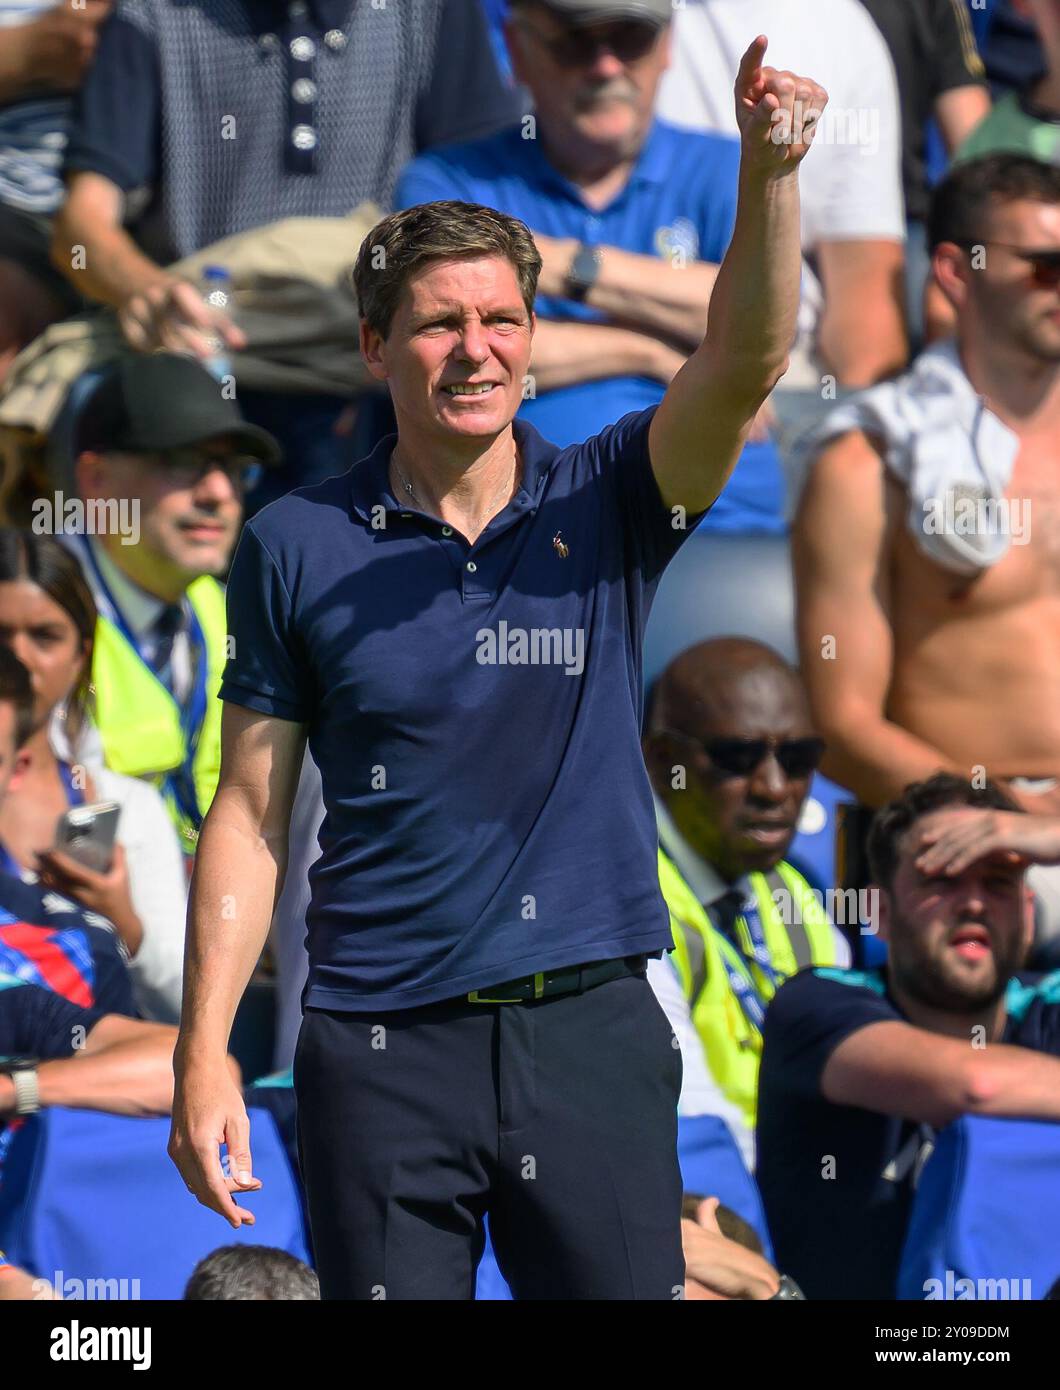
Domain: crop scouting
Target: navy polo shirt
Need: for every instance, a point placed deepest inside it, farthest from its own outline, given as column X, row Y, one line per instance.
column 475, row 713
column 680, row 198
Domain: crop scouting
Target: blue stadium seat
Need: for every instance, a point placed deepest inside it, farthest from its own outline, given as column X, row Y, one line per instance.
column 711, row 1165
column 92, row 1197
column 986, row 1221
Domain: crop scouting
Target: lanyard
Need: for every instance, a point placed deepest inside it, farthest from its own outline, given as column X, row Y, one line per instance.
column 180, row 782
column 759, row 950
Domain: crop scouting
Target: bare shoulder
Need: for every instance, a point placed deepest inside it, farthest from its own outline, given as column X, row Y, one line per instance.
column 848, row 492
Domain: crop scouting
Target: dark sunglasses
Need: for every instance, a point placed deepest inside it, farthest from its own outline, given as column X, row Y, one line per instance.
column 189, row 466
column 1044, row 265
column 576, row 48
column 739, row 757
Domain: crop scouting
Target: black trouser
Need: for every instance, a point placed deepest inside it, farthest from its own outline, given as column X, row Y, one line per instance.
column 557, row 1117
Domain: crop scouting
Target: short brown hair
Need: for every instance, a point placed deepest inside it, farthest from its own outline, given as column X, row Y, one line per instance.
column 406, row 241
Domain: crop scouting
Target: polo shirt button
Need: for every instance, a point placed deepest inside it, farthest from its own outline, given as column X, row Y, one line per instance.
column 268, row 42
column 447, row 530
column 335, row 39
column 304, row 90
column 304, row 137
column 303, row 48
column 471, row 567
column 297, row 8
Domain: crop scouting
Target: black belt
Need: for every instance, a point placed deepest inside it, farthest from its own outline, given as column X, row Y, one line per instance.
column 572, row 979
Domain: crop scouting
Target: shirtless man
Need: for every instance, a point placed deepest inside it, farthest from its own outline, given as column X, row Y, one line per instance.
column 929, row 668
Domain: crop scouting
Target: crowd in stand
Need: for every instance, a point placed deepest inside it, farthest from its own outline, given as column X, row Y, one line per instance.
column 908, row 459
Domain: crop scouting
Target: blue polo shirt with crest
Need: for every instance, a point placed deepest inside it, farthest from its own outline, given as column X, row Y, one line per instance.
column 475, row 714
column 678, row 202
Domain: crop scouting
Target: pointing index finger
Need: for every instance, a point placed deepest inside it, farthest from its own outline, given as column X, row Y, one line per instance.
column 751, row 62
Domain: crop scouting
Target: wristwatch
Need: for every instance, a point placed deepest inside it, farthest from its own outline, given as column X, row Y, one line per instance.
column 27, row 1087
column 584, row 270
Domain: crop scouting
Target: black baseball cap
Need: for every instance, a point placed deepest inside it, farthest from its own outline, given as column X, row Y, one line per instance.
column 163, row 401
column 657, row 12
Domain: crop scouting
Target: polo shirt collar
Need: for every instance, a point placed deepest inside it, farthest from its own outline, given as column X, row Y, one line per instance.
column 370, row 481
column 702, row 877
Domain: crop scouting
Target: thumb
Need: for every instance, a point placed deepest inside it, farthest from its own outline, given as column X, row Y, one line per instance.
column 240, row 1164
column 707, row 1214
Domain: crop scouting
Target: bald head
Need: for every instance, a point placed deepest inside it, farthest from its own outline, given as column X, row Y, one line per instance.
column 710, row 685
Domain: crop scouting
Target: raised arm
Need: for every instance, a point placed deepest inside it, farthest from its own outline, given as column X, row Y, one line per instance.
column 896, row 1069
column 239, row 869
column 706, row 415
column 840, row 546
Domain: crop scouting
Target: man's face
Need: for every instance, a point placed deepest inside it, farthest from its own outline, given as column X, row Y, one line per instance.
column 190, row 502
column 594, row 84
column 954, row 942
column 1015, row 305
column 459, row 324
column 738, row 823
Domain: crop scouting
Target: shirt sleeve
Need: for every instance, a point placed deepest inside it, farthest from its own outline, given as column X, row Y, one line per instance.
column 465, row 95
column 35, row 1022
column 114, row 130
column 957, row 60
column 267, row 670
column 807, row 1019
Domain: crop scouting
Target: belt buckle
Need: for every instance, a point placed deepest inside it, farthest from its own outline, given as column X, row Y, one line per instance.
column 474, row 997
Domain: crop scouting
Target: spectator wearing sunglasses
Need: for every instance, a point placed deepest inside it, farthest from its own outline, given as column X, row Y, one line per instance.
column 925, row 547
column 730, row 749
column 631, row 217
column 163, row 461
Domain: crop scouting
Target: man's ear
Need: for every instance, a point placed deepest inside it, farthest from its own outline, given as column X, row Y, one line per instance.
column 951, row 268
column 90, row 474
column 372, row 350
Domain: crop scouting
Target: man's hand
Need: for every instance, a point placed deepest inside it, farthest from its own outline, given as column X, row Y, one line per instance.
column 170, row 314
column 777, row 111
column 964, row 835
column 62, row 44
column 208, row 1111
column 717, row 1267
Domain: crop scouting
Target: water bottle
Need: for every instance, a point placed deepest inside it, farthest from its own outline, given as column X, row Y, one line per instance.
column 216, row 287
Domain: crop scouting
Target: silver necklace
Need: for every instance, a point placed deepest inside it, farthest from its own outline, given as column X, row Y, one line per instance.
column 412, row 494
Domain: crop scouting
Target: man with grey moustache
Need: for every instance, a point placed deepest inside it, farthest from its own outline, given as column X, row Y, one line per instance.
column 487, row 891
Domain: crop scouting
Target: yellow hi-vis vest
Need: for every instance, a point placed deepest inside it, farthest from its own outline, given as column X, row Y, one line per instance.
column 139, row 721
column 731, row 1042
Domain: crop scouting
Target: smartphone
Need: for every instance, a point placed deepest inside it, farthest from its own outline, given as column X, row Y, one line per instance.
column 86, row 833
